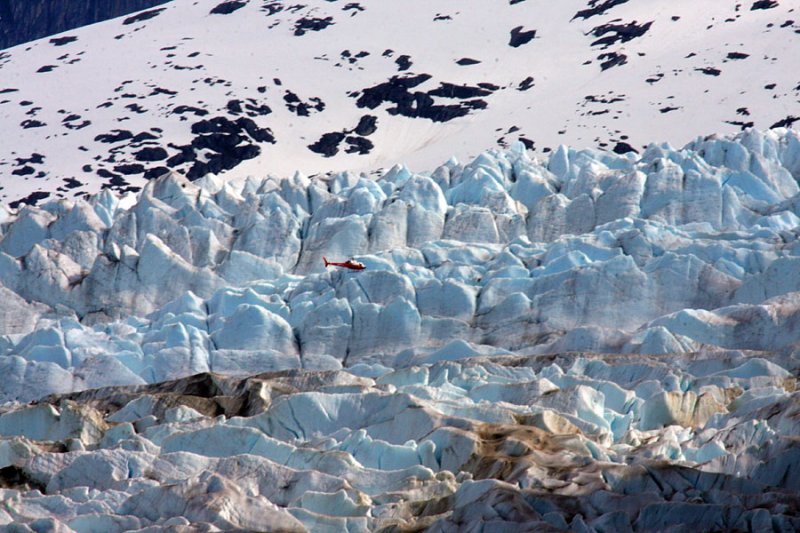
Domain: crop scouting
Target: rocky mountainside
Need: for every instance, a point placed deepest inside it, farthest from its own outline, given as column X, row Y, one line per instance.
column 27, row 20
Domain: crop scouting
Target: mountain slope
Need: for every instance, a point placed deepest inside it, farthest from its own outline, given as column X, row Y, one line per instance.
column 250, row 88
column 26, row 20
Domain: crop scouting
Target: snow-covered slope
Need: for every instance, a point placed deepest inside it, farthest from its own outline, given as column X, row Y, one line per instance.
column 595, row 341
column 200, row 86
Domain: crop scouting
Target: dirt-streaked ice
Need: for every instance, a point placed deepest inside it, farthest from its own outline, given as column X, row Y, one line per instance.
column 619, row 330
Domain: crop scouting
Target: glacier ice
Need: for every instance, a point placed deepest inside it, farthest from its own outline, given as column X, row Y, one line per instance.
column 621, row 329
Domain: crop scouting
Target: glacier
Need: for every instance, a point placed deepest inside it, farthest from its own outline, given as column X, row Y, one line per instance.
column 593, row 341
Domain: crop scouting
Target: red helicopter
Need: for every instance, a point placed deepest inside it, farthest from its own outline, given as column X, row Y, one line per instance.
column 352, row 264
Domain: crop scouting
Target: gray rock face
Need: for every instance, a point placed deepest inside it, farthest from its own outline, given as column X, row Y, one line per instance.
column 27, row 20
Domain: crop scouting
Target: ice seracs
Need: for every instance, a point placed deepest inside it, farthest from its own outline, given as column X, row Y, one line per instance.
column 506, row 440
column 670, row 251
column 621, row 330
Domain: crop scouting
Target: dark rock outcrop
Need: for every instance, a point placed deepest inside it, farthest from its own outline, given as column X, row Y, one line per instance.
column 26, row 20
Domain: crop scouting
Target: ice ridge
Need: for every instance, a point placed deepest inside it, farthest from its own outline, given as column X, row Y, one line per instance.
column 594, row 342
column 671, row 251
